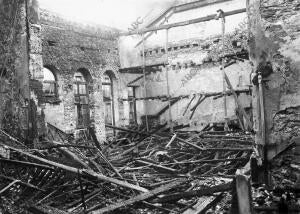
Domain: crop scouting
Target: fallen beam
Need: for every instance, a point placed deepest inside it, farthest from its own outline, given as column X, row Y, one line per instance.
column 80, row 171
column 24, row 163
column 194, row 193
column 158, row 167
column 201, row 205
column 207, row 161
column 240, row 107
column 138, row 198
column 21, row 183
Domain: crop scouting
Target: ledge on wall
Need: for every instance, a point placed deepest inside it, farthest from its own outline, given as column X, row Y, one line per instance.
column 52, row 100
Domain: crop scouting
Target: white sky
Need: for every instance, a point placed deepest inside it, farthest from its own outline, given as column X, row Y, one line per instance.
column 114, row 13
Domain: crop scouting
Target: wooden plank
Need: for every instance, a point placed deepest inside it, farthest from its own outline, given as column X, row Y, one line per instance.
column 184, row 23
column 201, row 204
column 243, row 190
column 195, row 193
column 188, row 105
column 22, row 183
column 158, row 167
column 240, row 107
column 140, row 197
column 193, row 109
column 208, row 161
column 82, row 172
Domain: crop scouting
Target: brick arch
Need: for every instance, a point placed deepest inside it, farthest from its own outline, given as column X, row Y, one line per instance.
column 86, row 74
column 112, row 70
column 54, row 70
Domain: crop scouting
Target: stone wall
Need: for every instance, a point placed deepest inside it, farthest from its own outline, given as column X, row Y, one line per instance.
column 20, row 106
column 275, row 53
column 68, row 47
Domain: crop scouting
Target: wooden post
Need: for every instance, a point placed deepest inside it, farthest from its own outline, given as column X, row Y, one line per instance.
column 263, row 131
column 167, row 78
column 243, row 190
column 144, row 78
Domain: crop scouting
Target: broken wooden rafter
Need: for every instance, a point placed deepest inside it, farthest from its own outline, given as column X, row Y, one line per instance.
column 8, row 186
column 164, row 98
column 138, row 198
column 193, row 109
column 43, row 209
column 164, row 109
column 188, row 105
column 206, row 161
column 25, row 163
column 184, row 23
column 21, row 183
column 72, row 156
column 194, row 193
column 82, row 171
column 240, row 107
column 203, row 204
column 143, row 138
column 158, row 167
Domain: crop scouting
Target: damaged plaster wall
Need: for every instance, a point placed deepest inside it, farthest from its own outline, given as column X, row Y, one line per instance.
column 275, row 39
column 67, row 48
column 194, row 62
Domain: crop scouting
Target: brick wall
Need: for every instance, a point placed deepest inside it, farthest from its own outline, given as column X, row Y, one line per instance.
column 67, row 47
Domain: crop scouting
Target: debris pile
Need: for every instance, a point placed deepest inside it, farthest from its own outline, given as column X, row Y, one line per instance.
column 137, row 172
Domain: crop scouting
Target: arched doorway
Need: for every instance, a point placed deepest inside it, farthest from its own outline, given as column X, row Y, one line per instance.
column 82, row 83
column 108, row 97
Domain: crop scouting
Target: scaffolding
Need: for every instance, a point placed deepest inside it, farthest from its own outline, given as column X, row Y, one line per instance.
column 220, row 14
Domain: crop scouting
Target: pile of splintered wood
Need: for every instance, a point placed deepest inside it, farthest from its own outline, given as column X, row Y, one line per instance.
column 137, row 172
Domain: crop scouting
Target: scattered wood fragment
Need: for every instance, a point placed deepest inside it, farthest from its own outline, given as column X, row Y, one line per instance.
column 138, row 198
column 194, row 193
column 82, row 172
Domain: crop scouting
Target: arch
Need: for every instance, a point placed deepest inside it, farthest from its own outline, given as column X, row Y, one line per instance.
column 86, row 74
column 48, row 75
column 82, row 88
column 108, row 79
column 49, row 82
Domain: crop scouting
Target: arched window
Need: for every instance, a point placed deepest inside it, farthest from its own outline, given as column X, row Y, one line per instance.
column 49, row 83
column 107, row 88
column 82, row 81
column 80, row 84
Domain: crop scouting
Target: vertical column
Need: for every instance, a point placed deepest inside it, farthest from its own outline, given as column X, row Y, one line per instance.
column 221, row 15
column 167, row 78
column 144, row 79
column 21, row 64
column 257, row 54
column 99, row 117
column 35, row 66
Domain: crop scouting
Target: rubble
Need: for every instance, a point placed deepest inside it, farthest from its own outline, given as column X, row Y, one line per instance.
column 137, row 171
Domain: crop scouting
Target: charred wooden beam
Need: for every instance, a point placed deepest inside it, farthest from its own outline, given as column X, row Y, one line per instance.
column 83, row 172
column 21, row 183
column 207, row 161
column 24, row 163
column 184, row 23
column 194, row 193
column 138, row 198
